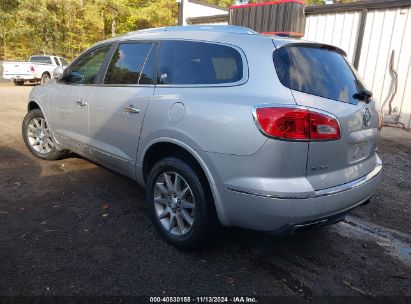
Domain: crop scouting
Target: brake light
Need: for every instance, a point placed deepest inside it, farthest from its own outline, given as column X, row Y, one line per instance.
column 287, row 123
column 296, row 124
column 32, row 68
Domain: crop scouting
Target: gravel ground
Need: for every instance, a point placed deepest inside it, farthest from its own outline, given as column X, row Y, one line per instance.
column 70, row 228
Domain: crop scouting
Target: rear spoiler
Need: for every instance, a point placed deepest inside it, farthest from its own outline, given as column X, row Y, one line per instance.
column 279, row 43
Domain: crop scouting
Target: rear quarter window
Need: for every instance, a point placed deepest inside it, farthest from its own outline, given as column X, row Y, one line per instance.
column 198, row 63
column 317, row 71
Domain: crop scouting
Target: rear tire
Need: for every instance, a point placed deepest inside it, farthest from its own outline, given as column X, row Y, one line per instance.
column 38, row 138
column 44, row 78
column 191, row 214
column 18, row 82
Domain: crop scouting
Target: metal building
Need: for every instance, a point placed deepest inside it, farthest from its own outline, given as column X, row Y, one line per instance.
column 200, row 12
column 374, row 34
column 272, row 17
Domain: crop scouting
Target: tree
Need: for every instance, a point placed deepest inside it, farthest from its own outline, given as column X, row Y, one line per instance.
column 67, row 27
column 7, row 9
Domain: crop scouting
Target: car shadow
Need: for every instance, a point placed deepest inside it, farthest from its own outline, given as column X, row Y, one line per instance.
column 93, row 190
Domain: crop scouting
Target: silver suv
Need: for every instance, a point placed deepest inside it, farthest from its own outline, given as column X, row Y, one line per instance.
column 220, row 124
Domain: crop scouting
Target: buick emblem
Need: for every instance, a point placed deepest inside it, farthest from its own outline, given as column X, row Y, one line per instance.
column 366, row 116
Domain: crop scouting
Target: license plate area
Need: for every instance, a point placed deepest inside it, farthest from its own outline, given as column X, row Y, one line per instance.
column 359, row 151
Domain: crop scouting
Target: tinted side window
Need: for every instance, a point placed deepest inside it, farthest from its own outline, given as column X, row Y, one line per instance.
column 56, row 61
column 188, row 62
column 63, row 61
column 165, row 64
column 147, row 74
column 132, row 63
column 317, row 71
column 86, row 68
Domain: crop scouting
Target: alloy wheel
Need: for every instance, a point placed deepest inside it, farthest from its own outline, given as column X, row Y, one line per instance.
column 174, row 203
column 44, row 79
column 39, row 136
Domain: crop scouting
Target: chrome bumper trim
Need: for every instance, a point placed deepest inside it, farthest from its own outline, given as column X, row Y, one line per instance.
column 351, row 185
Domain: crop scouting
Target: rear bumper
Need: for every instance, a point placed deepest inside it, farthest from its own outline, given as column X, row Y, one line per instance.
column 315, row 223
column 20, row 77
column 274, row 214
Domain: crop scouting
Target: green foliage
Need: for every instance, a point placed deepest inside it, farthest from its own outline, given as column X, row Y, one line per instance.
column 315, row 2
column 223, row 3
column 68, row 27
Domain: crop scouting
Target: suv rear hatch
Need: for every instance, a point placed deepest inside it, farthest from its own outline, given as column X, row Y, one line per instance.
column 321, row 78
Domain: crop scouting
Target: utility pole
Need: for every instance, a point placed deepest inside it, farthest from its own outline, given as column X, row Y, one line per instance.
column 180, row 4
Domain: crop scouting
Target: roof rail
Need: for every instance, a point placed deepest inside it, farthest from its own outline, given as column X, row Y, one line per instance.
column 209, row 28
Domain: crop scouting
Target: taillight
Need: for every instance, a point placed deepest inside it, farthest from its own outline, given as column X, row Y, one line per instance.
column 32, row 68
column 287, row 123
column 297, row 123
column 323, row 127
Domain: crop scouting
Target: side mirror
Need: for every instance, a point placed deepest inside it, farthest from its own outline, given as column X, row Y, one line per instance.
column 75, row 77
column 58, row 72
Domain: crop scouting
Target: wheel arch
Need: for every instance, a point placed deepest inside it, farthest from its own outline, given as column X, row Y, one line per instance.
column 32, row 105
column 163, row 147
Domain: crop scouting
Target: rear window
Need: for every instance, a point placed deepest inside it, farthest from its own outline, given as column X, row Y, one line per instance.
column 41, row 59
column 317, row 71
column 191, row 63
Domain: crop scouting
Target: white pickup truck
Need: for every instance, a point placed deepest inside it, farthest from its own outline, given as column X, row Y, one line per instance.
column 38, row 68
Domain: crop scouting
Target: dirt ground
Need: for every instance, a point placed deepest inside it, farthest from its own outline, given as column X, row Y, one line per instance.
column 70, row 228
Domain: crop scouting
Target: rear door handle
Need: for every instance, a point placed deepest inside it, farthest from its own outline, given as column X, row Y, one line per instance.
column 131, row 110
column 81, row 103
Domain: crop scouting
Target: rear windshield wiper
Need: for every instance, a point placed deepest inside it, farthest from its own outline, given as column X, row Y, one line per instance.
column 363, row 95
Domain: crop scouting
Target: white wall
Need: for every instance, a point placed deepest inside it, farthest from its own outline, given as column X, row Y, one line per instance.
column 385, row 30
column 388, row 30
column 191, row 9
column 337, row 29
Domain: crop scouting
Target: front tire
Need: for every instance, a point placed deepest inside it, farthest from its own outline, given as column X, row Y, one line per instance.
column 181, row 209
column 37, row 136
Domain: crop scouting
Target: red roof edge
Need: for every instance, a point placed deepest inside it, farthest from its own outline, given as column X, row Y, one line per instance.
column 267, row 3
column 290, row 34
